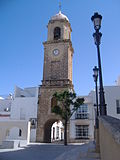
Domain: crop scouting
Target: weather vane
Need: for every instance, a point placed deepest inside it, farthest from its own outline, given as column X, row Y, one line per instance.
column 59, row 6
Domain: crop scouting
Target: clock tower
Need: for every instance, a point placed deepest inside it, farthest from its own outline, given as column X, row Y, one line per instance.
column 57, row 72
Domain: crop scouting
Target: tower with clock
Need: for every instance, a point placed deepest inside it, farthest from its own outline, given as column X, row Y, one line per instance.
column 57, row 72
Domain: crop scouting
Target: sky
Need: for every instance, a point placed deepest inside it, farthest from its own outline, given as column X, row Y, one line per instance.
column 23, row 30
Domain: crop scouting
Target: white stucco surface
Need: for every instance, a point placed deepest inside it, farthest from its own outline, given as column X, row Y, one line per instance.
column 90, row 121
column 24, row 107
column 6, row 126
column 112, row 93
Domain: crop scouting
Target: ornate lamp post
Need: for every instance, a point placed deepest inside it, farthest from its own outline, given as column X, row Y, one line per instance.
column 96, row 18
column 95, row 76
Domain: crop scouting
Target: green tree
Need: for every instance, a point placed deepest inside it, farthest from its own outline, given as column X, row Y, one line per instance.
column 67, row 104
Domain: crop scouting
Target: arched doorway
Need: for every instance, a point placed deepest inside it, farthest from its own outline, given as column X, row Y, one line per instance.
column 48, row 129
column 57, row 132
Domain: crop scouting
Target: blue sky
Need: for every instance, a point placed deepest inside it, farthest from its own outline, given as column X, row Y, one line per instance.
column 23, row 29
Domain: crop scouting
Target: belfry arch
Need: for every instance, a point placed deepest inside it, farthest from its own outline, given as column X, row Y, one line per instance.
column 57, row 33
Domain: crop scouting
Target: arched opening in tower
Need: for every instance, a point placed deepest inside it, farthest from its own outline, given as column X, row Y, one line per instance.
column 53, row 131
column 57, row 33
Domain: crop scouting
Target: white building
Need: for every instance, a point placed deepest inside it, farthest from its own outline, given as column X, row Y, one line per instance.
column 12, row 131
column 16, row 113
column 82, row 122
column 24, row 107
column 112, row 99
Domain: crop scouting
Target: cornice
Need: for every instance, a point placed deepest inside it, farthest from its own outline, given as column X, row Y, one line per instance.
column 60, row 41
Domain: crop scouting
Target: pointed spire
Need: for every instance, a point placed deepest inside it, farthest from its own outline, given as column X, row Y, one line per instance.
column 59, row 6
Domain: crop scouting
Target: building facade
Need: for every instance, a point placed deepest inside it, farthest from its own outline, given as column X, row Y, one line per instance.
column 82, row 122
column 24, row 107
column 21, row 108
column 112, row 99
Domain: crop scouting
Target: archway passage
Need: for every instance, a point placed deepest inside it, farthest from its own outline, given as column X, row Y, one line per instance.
column 48, row 130
column 57, row 132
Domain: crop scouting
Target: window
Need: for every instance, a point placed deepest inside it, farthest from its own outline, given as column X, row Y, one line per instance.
column 53, row 102
column 57, row 33
column 7, row 109
column 118, row 106
column 82, row 131
column 82, row 112
column 20, row 132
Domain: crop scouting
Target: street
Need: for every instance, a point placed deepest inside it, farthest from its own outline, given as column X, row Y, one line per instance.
column 37, row 152
column 47, row 152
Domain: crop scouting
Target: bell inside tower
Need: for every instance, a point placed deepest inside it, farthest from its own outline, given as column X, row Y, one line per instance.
column 57, row 33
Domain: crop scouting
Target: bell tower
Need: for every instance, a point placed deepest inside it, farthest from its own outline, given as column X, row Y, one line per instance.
column 58, row 52
column 57, row 72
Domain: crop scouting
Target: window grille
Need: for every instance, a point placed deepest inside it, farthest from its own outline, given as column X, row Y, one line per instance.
column 82, row 131
column 82, row 112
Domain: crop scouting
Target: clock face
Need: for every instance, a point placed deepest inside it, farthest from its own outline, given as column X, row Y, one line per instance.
column 56, row 52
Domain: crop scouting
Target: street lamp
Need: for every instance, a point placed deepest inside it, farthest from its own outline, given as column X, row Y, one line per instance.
column 95, row 76
column 96, row 18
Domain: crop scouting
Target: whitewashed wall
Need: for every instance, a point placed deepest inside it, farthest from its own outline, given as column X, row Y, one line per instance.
column 112, row 93
column 24, row 106
column 90, row 121
column 6, row 126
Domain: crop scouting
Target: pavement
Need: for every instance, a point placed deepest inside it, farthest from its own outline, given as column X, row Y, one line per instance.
column 37, row 151
column 83, row 152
